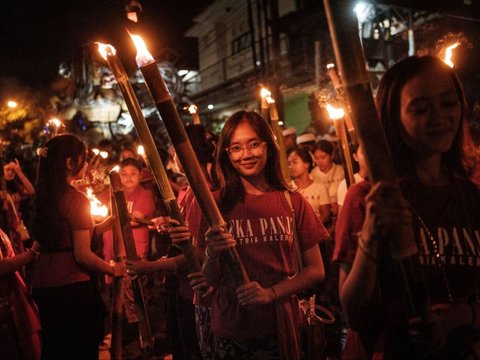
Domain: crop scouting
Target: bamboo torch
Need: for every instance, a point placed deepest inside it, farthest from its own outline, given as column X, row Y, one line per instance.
column 337, row 115
column 184, row 150
column 274, row 118
column 349, row 56
column 126, row 233
column 117, row 288
column 332, row 73
column 150, row 150
column 264, row 93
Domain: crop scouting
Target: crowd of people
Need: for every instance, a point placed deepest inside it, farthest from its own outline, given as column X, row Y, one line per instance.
column 302, row 236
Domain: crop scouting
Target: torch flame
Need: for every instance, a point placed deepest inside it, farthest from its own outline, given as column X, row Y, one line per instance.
column 103, row 154
column 330, row 66
column 143, row 55
column 106, row 50
column 335, row 113
column 96, row 207
column 448, row 54
column 270, row 100
column 192, row 109
column 140, row 150
column 55, row 122
column 265, row 92
column 96, row 151
column 116, row 168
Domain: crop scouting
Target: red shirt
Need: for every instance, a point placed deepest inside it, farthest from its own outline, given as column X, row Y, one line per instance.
column 262, row 226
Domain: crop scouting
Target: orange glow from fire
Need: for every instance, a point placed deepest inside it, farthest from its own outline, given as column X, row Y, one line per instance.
column 96, row 207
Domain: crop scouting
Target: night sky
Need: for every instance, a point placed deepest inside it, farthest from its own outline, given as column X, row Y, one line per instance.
column 36, row 36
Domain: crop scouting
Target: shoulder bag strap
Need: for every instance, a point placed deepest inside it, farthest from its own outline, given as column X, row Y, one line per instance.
column 296, row 244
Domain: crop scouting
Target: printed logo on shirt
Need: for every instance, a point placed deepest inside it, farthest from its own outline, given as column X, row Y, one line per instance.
column 460, row 244
column 261, row 230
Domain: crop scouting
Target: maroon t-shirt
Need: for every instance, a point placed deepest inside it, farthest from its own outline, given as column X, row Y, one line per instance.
column 451, row 215
column 262, row 227
column 60, row 268
column 142, row 200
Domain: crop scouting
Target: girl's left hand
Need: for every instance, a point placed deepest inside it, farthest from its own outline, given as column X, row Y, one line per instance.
column 252, row 293
column 178, row 233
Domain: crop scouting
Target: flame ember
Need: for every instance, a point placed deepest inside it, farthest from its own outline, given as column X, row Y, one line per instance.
column 103, row 154
column 96, row 207
column 106, row 50
column 55, row 122
column 265, row 92
column 448, row 54
column 96, row 151
column 143, row 55
column 116, row 168
column 330, row 66
column 335, row 113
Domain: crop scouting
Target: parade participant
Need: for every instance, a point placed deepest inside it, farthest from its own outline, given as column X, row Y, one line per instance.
column 254, row 201
column 182, row 317
column 18, row 188
column 19, row 319
column 140, row 203
column 359, row 157
column 300, row 163
column 69, row 304
column 326, row 171
column 422, row 107
column 289, row 138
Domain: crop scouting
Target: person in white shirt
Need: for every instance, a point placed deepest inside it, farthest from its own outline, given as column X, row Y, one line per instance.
column 326, row 171
column 300, row 163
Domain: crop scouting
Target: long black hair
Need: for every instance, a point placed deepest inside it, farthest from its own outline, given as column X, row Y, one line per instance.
column 233, row 191
column 388, row 105
column 51, row 185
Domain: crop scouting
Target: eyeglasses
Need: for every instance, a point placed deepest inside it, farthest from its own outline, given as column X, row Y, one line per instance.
column 237, row 149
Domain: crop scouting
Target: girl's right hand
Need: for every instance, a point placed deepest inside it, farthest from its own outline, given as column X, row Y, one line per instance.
column 218, row 239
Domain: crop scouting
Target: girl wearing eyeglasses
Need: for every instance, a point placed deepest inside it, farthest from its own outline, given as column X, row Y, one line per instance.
column 253, row 200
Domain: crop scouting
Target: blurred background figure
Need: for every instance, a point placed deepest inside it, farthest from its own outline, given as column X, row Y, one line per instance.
column 289, row 138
